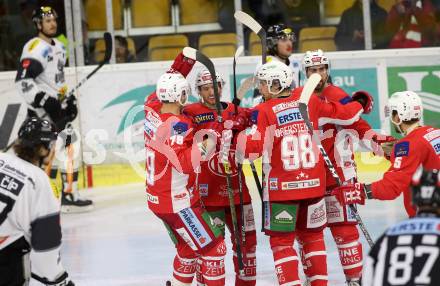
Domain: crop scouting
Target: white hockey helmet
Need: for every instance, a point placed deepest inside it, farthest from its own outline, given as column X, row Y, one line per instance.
column 315, row 58
column 407, row 104
column 204, row 77
column 173, row 87
column 275, row 71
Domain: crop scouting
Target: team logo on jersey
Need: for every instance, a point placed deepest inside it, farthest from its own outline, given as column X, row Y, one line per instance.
column 288, row 116
column 149, row 128
column 204, row 118
column 401, row 149
column 273, row 184
column 152, row 199
column 284, row 105
column 195, row 227
column 436, row 145
column 415, row 226
column 296, row 185
column 10, row 184
column 179, row 128
column 26, row 63
column 216, row 166
column 203, row 190
column 254, row 116
column 316, row 215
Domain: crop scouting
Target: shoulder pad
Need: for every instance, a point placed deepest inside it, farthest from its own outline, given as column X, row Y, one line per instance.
column 36, row 49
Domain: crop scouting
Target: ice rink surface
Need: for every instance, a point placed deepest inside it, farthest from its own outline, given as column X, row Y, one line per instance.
column 122, row 243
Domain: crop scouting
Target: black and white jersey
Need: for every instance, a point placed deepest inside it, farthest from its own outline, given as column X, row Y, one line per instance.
column 41, row 69
column 406, row 254
column 29, row 209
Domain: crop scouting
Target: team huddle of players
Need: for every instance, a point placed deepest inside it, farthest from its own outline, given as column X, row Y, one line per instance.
column 195, row 182
column 188, row 182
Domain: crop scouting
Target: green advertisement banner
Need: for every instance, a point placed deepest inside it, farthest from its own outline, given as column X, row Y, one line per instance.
column 349, row 80
column 425, row 81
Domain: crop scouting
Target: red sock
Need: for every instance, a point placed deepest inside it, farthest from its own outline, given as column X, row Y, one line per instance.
column 314, row 257
column 184, row 269
column 350, row 249
column 212, row 266
column 285, row 259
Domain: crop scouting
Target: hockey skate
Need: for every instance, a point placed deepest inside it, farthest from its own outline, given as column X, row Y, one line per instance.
column 73, row 203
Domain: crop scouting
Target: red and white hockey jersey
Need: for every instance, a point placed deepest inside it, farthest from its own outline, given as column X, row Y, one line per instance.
column 212, row 184
column 335, row 142
column 292, row 163
column 170, row 163
column 420, row 147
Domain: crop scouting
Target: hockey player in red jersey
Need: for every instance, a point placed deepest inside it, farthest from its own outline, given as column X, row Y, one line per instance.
column 212, row 183
column 337, row 141
column 419, row 146
column 172, row 156
column 294, row 181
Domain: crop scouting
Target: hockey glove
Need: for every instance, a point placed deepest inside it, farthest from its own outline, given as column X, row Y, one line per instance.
column 71, row 108
column 182, row 65
column 365, row 99
column 239, row 121
column 350, row 194
column 384, row 145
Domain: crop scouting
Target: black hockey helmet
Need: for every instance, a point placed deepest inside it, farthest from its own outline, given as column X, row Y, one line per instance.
column 277, row 32
column 36, row 131
column 42, row 12
column 425, row 187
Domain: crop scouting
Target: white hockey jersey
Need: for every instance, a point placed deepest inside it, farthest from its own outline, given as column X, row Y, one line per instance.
column 41, row 69
column 29, row 209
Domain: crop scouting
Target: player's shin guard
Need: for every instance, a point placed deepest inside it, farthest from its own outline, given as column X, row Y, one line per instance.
column 249, row 261
column 349, row 248
column 285, row 259
column 314, row 257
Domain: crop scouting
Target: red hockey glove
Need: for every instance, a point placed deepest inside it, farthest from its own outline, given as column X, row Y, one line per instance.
column 365, row 99
column 182, row 65
column 350, row 194
column 239, row 121
column 384, row 145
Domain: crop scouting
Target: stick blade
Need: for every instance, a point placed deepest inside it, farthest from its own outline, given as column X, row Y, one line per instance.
column 190, row 53
column 250, row 22
column 108, row 47
column 238, row 52
column 309, row 87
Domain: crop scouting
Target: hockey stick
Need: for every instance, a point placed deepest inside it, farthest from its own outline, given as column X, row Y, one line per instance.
column 108, row 53
column 236, row 102
column 201, row 58
column 250, row 22
column 306, row 93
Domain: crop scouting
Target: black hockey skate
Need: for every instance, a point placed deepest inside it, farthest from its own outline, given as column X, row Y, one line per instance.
column 72, row 204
